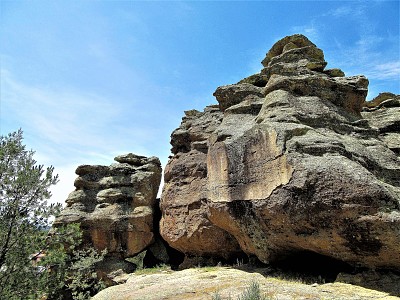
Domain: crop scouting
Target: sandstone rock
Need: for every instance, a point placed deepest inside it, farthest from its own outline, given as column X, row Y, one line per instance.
column 299, row 169
column 334, row 73
column 294, row 55
column 385, row 117
column 233, row 94
column 346, row 92
column 230, row 283
column 379, row 99
column 256, row 79
column 195, row 128
column 115, row 204
column 184, row 224
column 294, row 41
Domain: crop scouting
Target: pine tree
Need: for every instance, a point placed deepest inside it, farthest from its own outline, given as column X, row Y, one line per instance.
column 24, row 216
column 64, row 269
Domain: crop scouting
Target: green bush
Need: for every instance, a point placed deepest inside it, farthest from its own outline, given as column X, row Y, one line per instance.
column 252, row 292
column 36, row 263
column 216, row 296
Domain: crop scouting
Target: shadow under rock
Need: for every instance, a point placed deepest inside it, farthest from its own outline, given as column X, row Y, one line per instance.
column 387, row 281
column 309, row 267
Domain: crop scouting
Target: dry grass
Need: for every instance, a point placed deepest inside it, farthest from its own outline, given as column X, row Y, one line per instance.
column 157, row 269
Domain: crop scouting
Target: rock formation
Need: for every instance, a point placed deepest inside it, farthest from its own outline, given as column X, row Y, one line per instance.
column 184, row 224
column 288, row 163
column 383, row 113
column 115, row 205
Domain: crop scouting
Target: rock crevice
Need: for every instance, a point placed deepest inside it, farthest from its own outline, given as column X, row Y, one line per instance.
column 293, row 159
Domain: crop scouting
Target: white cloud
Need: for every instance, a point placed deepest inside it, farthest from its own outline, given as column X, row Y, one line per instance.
column 65, row 186
column 362, row 51
column 341, row 11
column 56, row 115
column 67, row 128
column 367, row 56
column 309, row 30
column 389, row 70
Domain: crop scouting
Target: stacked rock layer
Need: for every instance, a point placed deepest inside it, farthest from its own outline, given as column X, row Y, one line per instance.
column 114, row 204
column 291, row 160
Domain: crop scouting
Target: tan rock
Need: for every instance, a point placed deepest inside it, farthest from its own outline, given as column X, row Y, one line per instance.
column 379, row 99
column 202, row 284
column 233, row 94
column 297, row 170
column 114, row 205
column 294, row 41
column 184, row 224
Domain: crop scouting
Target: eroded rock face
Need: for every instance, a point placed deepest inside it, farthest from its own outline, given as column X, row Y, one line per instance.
column 288, row 163
column 184, row 205
column 383, row 113
column 115, row 204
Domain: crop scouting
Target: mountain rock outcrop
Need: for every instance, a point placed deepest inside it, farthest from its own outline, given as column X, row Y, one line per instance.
column 184, row 204
column 291, row 161
column 115, row 205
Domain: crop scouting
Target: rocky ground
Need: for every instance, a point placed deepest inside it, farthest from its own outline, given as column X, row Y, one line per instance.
column 203, row 283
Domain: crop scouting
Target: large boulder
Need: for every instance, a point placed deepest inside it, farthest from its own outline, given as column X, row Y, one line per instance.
column 184, row 203
column 288, row 163
column 114, row 205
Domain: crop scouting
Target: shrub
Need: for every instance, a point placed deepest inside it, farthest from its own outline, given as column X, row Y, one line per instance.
column 253, row 292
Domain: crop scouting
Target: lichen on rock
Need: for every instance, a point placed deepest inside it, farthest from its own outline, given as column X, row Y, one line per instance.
column 291, row 160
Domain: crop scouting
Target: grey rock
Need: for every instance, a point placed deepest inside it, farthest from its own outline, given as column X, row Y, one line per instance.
column 290, row 167
column 114, row 206
column 233, row 94
column 296, row 40
column 334, row 73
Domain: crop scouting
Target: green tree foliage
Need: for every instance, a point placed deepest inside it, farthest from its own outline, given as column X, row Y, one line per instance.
column 24, row 214
column 65, row 270
column 70, row 268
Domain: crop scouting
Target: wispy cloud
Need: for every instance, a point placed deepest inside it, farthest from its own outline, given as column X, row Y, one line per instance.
column 389, row 70
column 70, row 124
column 376, row 56
column 57, row 115
column 371, row 56
column 350, row 9
column 310, row 30
column 341, row 11
column 67, row 128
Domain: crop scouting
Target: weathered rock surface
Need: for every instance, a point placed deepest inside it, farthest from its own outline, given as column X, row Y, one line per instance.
column 184, row 224
column 229, row 283
column 115, row 204
column 288, row 163
column 383, row 113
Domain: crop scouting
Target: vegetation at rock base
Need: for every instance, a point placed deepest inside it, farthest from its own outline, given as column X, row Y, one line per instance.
column 252, row 292
column 71, row 268
column 154, row 270
column 34, row 262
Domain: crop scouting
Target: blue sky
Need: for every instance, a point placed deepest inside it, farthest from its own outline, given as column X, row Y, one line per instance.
column 89, row 80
